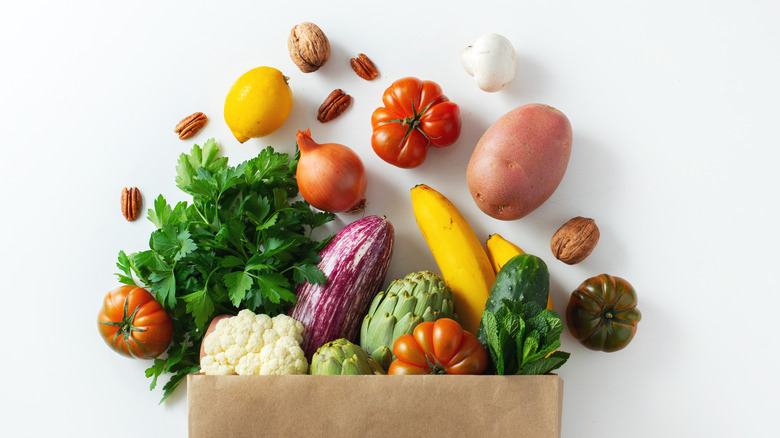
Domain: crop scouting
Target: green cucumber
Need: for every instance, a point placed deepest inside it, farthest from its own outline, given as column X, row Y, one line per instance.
column 523, row 278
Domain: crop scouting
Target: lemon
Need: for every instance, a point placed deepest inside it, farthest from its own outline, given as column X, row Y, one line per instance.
column 258, row 103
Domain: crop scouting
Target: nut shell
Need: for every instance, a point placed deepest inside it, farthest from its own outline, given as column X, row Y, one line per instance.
column 190, row 125
column 364, row 67
column 309, row 47
column 131, row 203
column 335, row 104
column 575, row 240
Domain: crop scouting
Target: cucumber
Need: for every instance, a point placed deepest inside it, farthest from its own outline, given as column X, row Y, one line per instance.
column 523, row 278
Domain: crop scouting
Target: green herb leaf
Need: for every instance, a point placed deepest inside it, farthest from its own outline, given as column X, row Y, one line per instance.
column 276, row 288
column 545, row 365
column 490, row 324
column 308, row 273
column 161, row 213
column 554, row 326
column 199, row 158
column 164, row 287
column 125, row 265
column 171, row 242
column 512, row 324
column 232, row 261
column 155, row 371
column 522, row 338
column 238, row 283
column 530, row 346
column 200, row 305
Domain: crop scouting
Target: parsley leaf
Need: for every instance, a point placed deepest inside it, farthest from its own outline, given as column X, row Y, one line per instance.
column 164, row 287
column 125, row 265
column 200, row 305
column 238, row 283
column 172, row 243
column 276, row 287
column 308, row 273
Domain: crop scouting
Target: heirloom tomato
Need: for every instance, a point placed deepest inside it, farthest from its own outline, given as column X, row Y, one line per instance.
column 440, row 347
column 134, row 324
column 602, row 313
column 415, row 116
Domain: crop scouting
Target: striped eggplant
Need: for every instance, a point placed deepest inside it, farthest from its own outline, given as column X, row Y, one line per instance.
column 355, row 262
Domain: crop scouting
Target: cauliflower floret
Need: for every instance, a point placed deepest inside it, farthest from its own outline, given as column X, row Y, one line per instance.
column 215, row 368
column 255, row 344
column 283, row 357
column 287, row 326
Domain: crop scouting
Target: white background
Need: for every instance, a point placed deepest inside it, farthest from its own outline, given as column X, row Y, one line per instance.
column 674, row 111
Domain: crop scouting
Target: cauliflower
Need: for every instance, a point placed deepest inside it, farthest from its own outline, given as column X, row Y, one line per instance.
column 255, row 344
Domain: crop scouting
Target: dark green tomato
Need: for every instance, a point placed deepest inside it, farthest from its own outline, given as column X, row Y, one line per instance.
column 602, row 313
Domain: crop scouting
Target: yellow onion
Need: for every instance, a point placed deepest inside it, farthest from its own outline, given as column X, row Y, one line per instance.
column 331, row 176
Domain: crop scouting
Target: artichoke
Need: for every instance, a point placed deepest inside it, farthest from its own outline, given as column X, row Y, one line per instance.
column 420, row 296
column 341, row 357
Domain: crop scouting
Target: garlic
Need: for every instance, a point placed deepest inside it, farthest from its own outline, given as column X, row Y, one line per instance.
column 490, row 61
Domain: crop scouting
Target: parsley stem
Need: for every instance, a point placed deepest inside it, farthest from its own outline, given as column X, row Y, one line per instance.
column 205, row 221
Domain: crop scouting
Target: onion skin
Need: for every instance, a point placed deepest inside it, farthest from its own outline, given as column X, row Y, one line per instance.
column 331, row 176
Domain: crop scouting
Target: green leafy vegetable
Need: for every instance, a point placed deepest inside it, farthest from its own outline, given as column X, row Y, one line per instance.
column 523, row 338
column 243, row 242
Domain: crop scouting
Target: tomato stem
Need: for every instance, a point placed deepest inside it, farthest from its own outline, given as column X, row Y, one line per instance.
column 126, row 327
column 611, row 314
column 435, row 366
column 413, row 122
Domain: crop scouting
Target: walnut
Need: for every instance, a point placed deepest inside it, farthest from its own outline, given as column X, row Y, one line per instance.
column 309, row 47
column 575, row 240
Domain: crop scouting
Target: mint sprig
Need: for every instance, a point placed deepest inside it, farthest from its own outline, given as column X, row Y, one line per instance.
column 523, row 338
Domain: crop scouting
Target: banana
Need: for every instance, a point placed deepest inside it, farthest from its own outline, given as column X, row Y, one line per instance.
column 500, row 251
column 462, row 260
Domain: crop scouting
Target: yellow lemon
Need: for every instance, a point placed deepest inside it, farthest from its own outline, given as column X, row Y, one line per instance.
column 258, row 103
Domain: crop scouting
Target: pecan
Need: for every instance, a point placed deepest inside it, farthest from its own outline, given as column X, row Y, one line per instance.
column 575, row 240
column 364, row 67
column 131, row 203
column 335, row 104
column 308, row 46
column 190, row 125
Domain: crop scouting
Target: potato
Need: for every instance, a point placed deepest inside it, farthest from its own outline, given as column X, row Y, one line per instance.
column 519, row 161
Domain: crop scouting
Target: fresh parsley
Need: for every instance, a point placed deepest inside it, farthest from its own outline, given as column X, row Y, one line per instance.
column 243, row 242
column 523, row 338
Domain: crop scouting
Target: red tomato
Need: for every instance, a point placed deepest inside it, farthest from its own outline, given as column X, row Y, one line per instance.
column 134, row 324
column 437, row 348
column 415, row 116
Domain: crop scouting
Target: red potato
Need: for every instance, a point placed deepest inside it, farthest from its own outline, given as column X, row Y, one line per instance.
column 519, row 161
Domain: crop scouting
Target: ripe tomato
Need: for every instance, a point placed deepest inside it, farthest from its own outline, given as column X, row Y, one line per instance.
column 440, row 347
column 602, row 313
column 134, row 324
column 415, row 116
